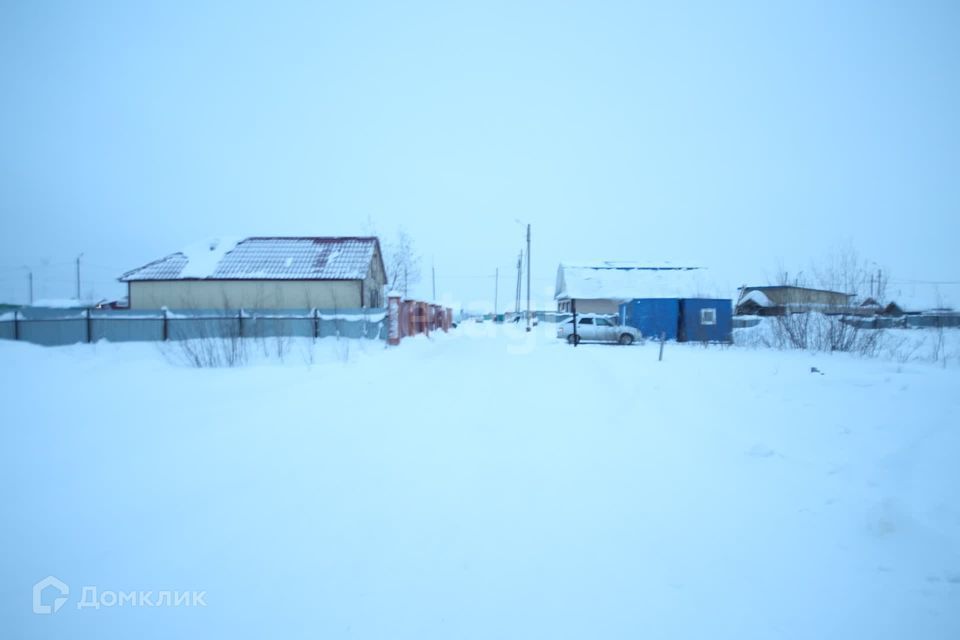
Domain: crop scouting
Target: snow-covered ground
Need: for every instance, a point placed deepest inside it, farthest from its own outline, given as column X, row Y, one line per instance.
column 482, row 484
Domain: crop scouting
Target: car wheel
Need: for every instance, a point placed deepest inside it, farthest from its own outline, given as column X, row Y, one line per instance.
column 573, row 339
column 626, row 338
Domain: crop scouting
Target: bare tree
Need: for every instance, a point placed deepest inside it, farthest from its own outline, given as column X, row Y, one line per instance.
column 803, row 326
column 844, row 270
column 402, row 262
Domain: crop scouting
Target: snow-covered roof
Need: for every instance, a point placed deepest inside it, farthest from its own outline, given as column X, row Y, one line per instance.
column 569, row 315
column 626, row 281
column 61, row 303
column 300, row 258
column 757, row 297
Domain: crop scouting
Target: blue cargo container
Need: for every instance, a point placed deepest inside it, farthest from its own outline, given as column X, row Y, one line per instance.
column 681, row 319
column 652, row 316
column 706, row 320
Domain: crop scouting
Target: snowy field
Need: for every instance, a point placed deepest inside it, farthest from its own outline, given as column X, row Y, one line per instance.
column 482, row 484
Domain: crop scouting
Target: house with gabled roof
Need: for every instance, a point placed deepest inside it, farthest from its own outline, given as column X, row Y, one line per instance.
column 600, row 287
column 661, row 300
column 263, row 273
column 775, row 300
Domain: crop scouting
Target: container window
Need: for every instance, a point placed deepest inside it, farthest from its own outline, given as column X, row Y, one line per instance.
column 708, row 316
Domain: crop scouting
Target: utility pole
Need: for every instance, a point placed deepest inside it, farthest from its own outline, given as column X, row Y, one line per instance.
column 30, row 281
column 78, row 276
column 496, row 290
column 573, row 309
column 519, row 276
column 433, row 279
column 529, row 319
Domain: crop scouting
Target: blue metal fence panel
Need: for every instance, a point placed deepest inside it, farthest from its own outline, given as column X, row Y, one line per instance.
column 46, row 313
column 875, row 322
column 126, row 329
column 339, row 328
column 706, row 320
column 126, row 326
column 652, row 316
column 927, row 321
column 201, row 327
column 54, row 333
column 352, row 323
column 53, row 327
column 276, row 327
column 8, row 330
column 745, row 322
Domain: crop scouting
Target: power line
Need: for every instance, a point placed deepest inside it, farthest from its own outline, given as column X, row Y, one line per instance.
column 447, row 276
column 485, row 277
column 103, row 266
column 925, row 282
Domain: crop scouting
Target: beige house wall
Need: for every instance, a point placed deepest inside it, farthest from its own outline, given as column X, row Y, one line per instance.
column 597, row 305
column 803, row 296
column 374, row 284
column 246, row 294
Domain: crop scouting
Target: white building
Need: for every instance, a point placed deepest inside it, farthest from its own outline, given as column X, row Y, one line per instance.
column 600, row 287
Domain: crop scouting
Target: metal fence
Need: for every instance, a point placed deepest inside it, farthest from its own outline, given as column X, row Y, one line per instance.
column 54, row 327
column 919, row 321
column 912, row 321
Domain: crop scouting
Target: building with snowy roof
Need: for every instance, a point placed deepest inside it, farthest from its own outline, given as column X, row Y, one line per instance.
column 602, row 286
column 676, row 303
column 263, row 273
column 775, row 300
column 906, row 298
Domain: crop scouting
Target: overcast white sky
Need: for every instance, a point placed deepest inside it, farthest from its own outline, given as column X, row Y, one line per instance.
column 739, row 136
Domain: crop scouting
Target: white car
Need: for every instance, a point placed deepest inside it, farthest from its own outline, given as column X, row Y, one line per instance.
column 592, row 327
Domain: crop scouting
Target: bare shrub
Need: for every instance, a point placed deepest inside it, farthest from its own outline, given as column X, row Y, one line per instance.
column 938, row 345
column 205, row 341
column 343, row 350
column 215, row 343
column 901, row 348
column 281, row 346
column 821, row 326
column 814, row 331
column 308, row 349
